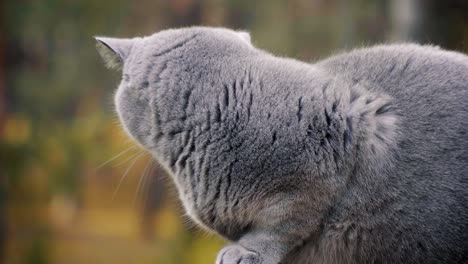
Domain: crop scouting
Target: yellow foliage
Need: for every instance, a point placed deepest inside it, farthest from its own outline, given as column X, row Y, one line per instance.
column 17, row 130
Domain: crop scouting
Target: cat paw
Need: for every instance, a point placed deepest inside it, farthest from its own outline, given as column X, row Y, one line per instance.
column 236, row 254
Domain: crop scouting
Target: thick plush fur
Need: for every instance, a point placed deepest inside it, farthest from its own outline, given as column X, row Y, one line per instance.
column 360, row 158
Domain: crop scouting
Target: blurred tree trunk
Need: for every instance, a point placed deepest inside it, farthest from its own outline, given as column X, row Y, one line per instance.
column 436, row 22
column 2, row 65
column 185, row 12
column 2, row 123
column 406, row 17
column 445, row 23
column 152, row 201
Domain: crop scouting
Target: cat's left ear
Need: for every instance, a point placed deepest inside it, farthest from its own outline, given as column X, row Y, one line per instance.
column 114, row 51
column 244, row 35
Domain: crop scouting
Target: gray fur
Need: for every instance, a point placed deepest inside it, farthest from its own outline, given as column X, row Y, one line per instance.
column 360, row 158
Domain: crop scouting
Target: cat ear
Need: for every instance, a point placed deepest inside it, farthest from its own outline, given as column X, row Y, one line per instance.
column 245, row 36
column 114, row 51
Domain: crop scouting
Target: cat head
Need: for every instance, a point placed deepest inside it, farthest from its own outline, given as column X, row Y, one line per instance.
column 149, row 63
column 169, row 82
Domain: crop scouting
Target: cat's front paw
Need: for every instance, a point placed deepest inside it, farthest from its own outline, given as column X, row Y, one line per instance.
column 236, row 254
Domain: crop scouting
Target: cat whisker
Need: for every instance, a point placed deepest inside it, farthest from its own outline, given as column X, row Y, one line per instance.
column 129, row 158
column 116, row 156
column 142, row 177
column 125, row 174
column 146, row 189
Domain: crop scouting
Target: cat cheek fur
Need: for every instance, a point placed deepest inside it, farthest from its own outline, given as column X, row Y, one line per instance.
column 135, row 115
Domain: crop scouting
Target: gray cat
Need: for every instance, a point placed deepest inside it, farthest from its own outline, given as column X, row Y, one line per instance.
column 359, row 158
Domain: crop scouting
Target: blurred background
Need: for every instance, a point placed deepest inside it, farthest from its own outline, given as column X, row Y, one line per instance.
column 63, row 154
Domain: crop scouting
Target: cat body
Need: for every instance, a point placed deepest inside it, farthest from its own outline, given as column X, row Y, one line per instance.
column 359, row 158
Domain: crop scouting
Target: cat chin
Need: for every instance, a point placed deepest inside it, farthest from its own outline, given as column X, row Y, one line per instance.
column 191, row 214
